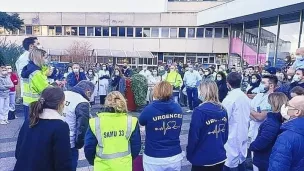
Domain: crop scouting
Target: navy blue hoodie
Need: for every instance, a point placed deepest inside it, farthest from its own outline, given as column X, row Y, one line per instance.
column 163, row 121
column 207, row 135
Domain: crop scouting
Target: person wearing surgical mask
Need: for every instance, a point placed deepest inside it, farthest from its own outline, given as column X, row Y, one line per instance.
column 253, row 88
column 5, row 85
column 162, row 73
column 12, row 94
column 152, row 81
column 145, row 72
column 297, row 80
column 191, row 81
column 222, row 85
column 298, row 63
column 288, row 150
column 68, row 71
column 93, row 78
column 268, row 132
column 208, row 75
column 104, row 77
column 75, row 77
column 175, row 79
column 260, row 105
column 118, row 82
column 126, row 70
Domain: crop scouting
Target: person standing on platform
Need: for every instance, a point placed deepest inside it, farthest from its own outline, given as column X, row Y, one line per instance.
column 75, row 77
column 162, row 145
column 104, row 76
column 113, row 138
column 77, row 113
column 237, row 105
column 12, row 94
column 191, row 81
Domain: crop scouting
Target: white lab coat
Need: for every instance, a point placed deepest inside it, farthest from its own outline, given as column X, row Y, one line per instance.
column 103, row 83
column 152, row 81
column 22, row 61
column 95, row 82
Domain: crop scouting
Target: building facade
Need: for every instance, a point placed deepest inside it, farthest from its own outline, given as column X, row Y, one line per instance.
column 138, row 38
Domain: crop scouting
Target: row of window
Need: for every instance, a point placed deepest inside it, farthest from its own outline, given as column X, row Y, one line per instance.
column 190, row 0
column 98, row 31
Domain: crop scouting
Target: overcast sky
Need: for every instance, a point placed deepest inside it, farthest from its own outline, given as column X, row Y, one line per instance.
column 83, row 5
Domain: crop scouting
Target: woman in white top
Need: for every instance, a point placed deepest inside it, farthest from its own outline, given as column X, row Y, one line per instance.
column 152, row 81
column 91, row 76
column 104, row 76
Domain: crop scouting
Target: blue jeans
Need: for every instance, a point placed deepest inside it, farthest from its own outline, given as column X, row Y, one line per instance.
column 26, row 112
column 240, row 167
column 75, row 156
column 192, row 94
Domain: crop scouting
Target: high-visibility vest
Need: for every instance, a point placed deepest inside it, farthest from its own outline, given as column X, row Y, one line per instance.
column 113, row 132
column 33, row 86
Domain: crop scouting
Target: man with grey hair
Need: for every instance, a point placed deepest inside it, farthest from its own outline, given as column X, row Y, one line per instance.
column 77, row 113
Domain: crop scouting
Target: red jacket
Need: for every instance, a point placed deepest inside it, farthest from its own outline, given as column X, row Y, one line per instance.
column 14, row 79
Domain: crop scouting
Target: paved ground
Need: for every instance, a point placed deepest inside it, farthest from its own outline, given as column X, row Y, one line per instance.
column 9, row 134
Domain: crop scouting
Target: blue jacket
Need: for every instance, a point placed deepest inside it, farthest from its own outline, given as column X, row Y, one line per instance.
column 288, row 151
column 91, row 144
column 45, row 147
column 119, row 84
column 163, row 121
column 207, row 135
column 267, row 135
column 72, row 81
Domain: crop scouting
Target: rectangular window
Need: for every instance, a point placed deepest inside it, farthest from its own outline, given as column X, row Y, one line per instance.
column 98, row 31
column 225, row 32
column 182, row 32
column 22, row 31
column 28, row 30
column 208, row 32
column 164, row 32
column 138, row 32
column 122, row 31
column 44, row 30
column 130, row 32
column 37, row 30
column 173, row 32
column 200, row 32
column 52, row 31
column 82, row 31
column 90, row 31
column 155, row 32
column 191, row 32
column 218, row 32
column 74, row 31
column 58, row 30
column 105, row 31
column 114, row 32
column 67, row 30
column 146, row 32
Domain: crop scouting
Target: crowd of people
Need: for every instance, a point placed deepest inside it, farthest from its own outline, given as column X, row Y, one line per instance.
column 256, row 111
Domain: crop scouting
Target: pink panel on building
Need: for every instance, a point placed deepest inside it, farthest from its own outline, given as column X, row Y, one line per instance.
column 249, row 53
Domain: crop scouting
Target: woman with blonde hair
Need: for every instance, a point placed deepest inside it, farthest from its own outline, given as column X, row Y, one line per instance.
column 162, row 119
column 113, row 137
column 34, row 78
column 268, row 132
column 208, row 131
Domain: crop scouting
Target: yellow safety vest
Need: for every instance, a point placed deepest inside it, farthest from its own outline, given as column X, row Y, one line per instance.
column 113, row 131
column 33, row 86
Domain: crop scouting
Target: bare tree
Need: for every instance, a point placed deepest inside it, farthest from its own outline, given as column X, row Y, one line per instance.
column 80, row 52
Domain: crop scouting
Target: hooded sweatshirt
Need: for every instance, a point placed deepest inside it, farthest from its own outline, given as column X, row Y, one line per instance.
column 163, row 121
column 5, row 85
column 288, row 151
column 208, row 134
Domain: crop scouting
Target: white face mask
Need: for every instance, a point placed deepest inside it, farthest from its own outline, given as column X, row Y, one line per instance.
column 299, row 57
column 104, row 68
column 218, row 78
column 296, row 78
column 70, row 70
column 190, row 69
column 90, row 72
column 284, row 112
column 116, row 73
column 206, row 73
column 4, row 72
column 253, row 80
column 76, row 70
column 201, row 72
column 154, row 73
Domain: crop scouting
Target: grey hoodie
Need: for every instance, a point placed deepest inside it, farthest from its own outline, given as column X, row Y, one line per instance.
column 5, row 85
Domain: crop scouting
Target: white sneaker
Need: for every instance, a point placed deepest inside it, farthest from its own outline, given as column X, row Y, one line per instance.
column 3, row 123
column 188, row 111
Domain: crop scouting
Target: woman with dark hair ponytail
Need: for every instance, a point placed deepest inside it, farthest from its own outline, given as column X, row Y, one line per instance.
column 43, row 141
